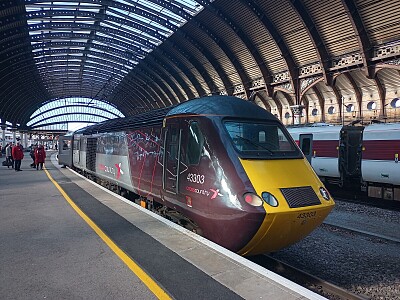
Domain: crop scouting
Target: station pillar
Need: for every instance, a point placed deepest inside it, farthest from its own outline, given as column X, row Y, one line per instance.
column 3, row 135
column 297, row 113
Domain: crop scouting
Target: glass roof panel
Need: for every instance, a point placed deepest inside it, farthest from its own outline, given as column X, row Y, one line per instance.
column 74, row 109
column 113, row 35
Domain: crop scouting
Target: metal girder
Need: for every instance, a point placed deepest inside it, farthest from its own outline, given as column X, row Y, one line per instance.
column 156, row 61
column 65, row 114
column 316, row 39
column 164, row 82
column 366, row 48
column 381, row 92
column 213, row 35
column 180, row 65
column 144, row 71
column 133, row 81
column 199, row 67
column 280, row 43
column 220, row 12
column 210, row 58
column 357, row 91
column 339, row 99
column 263, row 100
column 321, row 102
column 84, row 36
column 71, row 105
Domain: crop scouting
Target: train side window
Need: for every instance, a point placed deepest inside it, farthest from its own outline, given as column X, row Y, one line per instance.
column 173, row 145
column 195, row 144
column 261, row 137
column 306, row 146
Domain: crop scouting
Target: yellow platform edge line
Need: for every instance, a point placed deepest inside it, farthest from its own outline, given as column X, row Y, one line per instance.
column 146, row 279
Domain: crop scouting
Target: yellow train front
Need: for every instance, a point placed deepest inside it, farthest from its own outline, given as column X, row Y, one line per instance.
column 240, row 177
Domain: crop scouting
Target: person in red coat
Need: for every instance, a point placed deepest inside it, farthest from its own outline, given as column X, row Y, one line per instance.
column 40, row 155
column 17, row 153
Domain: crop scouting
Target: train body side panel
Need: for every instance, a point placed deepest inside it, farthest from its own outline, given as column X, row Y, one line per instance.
column 326, row 166
column 114, row 168
column 381, row 171
column 144, row 148
column 381, row 146
column 325, row 144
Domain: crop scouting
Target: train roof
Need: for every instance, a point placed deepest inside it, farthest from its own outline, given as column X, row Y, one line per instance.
column 211, row 105
column 222, row 106
column 151, row 118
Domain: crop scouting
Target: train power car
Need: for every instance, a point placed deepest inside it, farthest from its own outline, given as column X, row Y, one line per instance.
column 220, row 166
column 355, row 156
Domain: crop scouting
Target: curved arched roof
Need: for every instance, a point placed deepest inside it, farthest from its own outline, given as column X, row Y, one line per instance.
column 145, row 54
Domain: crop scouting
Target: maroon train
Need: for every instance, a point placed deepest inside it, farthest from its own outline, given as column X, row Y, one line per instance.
column 220, row 166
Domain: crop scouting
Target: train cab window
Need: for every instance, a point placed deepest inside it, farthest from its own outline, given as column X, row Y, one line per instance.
column 195, row 144
column 65, row 145
column 258, row 139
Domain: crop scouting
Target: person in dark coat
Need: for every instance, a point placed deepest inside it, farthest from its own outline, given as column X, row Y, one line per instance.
column 40, row 155
column 32, row 154
column 17, row 154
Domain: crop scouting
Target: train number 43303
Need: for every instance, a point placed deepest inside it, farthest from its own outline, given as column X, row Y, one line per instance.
column 307, row 215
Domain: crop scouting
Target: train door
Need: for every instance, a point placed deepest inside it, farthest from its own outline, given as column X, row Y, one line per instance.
column 91, row 149
column 76, row 154
column 172, row 149
column 350, row 153
column 305, row 144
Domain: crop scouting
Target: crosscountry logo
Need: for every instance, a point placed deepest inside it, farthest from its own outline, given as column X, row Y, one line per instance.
column 117, row 171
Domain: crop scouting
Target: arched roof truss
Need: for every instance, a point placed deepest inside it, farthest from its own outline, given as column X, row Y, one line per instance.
column 142, row 55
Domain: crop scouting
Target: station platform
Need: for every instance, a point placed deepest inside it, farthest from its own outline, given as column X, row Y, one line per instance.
column 64, row 237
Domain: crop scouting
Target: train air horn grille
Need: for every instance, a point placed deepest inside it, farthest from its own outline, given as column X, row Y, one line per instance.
column 300, row 196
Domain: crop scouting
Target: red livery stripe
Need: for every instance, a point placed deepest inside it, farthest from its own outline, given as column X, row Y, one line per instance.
column 381, row 150
column 325, row 148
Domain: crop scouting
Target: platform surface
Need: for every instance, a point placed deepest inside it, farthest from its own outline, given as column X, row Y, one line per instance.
column 48, row 249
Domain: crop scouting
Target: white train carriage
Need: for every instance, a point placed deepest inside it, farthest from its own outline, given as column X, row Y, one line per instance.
column 354, row 155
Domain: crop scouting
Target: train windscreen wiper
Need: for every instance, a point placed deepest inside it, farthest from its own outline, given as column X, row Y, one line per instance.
column 255, row 144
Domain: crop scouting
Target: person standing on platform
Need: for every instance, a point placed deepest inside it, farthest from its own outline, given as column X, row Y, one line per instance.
column 40, row 155
column 17, row 154
column 9, row 158
column 32, row 154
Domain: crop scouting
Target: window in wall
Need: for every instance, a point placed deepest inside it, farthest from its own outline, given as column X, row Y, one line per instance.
column 314, row 112
column 349, row 107
column 395, row 103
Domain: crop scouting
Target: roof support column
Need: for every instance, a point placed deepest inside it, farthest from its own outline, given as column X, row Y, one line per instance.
column 3, row 134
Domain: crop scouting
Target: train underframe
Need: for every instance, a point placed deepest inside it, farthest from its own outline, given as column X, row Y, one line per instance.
column 364, row 188
column 150, row 204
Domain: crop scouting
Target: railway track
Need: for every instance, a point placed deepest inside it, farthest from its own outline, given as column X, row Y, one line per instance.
column 351, row 254
column 362, row 232
column 360, row 198
column 311, row 282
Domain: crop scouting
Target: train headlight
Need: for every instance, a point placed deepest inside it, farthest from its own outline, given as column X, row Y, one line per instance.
column 252, row 199
column 324, row 193
column 270, row 199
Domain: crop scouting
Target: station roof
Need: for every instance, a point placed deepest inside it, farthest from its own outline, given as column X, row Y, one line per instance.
column 140, row 55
